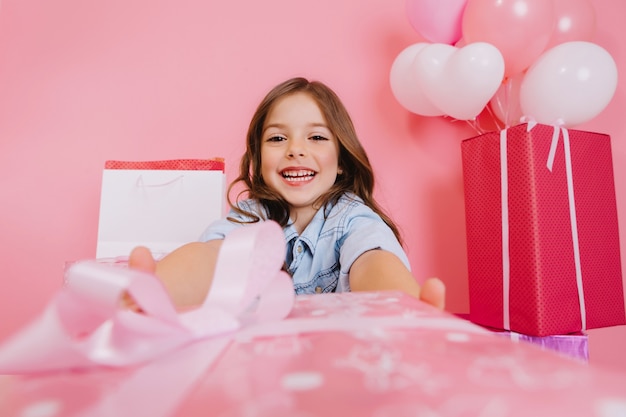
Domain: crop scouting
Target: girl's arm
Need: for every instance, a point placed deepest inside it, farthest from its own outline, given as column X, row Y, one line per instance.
column 186, row 273
column 377, row 270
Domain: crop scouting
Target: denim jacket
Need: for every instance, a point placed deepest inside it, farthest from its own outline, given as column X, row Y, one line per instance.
column 319, row 260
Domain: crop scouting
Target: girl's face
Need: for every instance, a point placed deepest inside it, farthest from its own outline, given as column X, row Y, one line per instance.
column 299, row 154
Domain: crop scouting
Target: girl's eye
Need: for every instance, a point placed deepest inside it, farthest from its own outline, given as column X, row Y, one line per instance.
column 318, row 137
column 275, row 138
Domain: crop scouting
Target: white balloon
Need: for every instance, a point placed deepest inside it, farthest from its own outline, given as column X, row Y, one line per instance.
column 406, row 87
column 459, row 81
column 569, row 84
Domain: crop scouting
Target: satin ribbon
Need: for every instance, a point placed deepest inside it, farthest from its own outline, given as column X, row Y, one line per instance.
column 83, row 326
column 558, row 130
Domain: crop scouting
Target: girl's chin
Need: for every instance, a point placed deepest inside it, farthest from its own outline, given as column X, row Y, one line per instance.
column 300, row 204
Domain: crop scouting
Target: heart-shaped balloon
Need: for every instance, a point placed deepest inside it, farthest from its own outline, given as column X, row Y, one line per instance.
column 459, row 81
column 405, row 86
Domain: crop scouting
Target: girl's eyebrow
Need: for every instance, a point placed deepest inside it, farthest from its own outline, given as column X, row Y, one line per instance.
column 276, row 125
column 282, row 125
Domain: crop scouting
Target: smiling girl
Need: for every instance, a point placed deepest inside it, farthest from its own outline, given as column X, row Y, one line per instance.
column 305, row 169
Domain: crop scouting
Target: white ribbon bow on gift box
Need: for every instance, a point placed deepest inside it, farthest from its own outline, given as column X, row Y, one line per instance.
column 84, row 326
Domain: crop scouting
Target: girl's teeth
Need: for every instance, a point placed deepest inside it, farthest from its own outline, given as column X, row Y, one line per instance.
column 298, row 174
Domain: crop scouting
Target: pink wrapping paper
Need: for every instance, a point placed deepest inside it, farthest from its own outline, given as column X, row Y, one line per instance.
column 545, row 259
column 388, row 355
column 379, row 354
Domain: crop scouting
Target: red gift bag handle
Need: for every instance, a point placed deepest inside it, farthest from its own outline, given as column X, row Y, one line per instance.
column 213, row 164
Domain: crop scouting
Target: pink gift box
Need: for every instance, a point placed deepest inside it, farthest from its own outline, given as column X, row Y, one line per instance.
column 355, row 354
column 544, row 260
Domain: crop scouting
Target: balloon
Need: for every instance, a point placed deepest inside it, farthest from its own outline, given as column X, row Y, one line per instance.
column 575, row 21
column 405, row 86
column 520, row 29
column 459, row 81
column 436, row 20
column 569, row 84
column 505, row 103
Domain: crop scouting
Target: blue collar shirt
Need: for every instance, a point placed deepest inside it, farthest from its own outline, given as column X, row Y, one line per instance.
column 319, row 260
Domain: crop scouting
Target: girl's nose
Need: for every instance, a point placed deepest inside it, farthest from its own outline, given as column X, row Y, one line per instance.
column 296, row 148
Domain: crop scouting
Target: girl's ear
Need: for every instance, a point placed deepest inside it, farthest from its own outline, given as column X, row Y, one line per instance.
column 339, row 171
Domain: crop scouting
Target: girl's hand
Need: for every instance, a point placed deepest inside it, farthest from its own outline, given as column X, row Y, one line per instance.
column 128, row 302
column 433, row 292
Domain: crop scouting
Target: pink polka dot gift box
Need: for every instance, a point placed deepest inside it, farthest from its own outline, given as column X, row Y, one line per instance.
column 542, row 232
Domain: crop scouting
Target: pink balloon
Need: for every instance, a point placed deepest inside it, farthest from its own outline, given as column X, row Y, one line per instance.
column 520, row 29
column 436, row 20
column 575, row 21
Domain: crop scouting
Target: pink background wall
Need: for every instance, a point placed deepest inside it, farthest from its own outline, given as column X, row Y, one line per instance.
column 82, row 82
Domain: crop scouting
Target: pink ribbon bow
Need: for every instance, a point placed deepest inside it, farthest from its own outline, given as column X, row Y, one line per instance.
column 83, row 326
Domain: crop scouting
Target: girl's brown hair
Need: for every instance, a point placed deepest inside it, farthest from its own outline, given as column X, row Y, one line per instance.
column 357, row 176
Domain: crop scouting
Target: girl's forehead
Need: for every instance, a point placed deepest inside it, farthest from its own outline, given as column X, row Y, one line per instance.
column 294, row 106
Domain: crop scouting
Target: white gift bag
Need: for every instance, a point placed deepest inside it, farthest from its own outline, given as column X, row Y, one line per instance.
column 158, row 204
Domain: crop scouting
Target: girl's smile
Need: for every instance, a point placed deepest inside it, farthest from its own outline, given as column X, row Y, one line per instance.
column 297, row 175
